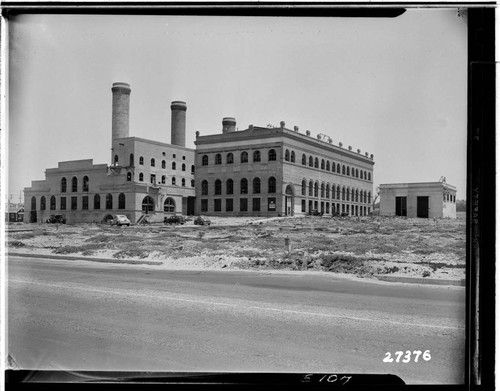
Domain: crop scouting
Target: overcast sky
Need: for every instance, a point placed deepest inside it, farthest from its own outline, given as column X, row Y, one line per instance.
column 392, row 87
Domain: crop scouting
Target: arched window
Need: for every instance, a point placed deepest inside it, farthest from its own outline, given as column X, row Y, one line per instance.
column 311, row 188
column 292, row 157
column 129, row 176
column 369, row 177
column 311, row 162
column 53, row 203
column 163, row 179
column 322, row 190
column 256, row 156
column 343, row 170
column 141, row 161
column 369, row 197
column 109, row 201
column 153, row 162
column 183, row 182
column 244, row 157
column 204, row 160
column 218, row 187
column 192, row 182
column 287, row 155
column 116, row 159
column 192, row 169
column 148, row 204
column 322, row 164
column 244, row 186
column 163, row 164
column 42, row 203
column 304, row 159
column 74, row 184
column 364, row 175
column 327, row 194
column 173, row 181
column 229, row 158
column 327, row 165
column 218, row 158
column 121, row 201
column 271, row 185
column 365, row 197
column 338, row 192
column 304, row 185
column 229, row 186
column 169, row 205
column 256, row 186
column 347, row 170
column 343, row 193
column 357, row 173
column 183, row 167
column 131, row 160
column 316, row 189
column 173, row 165
column 63, row 185
column 272, row 155
column 33, row 203
column 338, row 168
column 204, row 187
column 97, row 201
column 85, row 183
column 316, row 163
column 333, row 191
column 141, row 177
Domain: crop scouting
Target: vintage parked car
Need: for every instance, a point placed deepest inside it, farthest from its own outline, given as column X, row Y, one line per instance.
column 315, row 212
column 120, row 220
column 202, row 220
column 174, row 219
column 56, row 219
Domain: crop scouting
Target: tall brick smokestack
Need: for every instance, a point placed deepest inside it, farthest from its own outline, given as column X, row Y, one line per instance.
column 121, row 106
column 178, row 127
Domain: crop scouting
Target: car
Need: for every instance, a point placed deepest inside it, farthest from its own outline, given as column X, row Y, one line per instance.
column 120, row 220
column 202, row 220
column 315, row 212
column 174, row 219
column 56, row 219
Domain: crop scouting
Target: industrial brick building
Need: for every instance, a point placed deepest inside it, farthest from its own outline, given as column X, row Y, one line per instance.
column 275, row 171
column 144, row 177
column 427, row 199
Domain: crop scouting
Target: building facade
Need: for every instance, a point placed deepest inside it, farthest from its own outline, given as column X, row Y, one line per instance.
column 269, row 171
column 144, row 177
column 427, row 200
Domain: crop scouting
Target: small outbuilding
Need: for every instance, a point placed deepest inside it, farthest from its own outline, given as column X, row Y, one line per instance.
column 14, row 214
column 426, row 199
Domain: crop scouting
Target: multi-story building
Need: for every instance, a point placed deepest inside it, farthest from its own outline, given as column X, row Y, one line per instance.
column 269, row 171
column 427, row 199
column 144, row 177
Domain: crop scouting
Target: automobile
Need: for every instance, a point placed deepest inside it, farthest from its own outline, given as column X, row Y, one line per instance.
column 174, row 219
column 315, row 212
column 56, row 219
column 202, row 220
column 120, row 220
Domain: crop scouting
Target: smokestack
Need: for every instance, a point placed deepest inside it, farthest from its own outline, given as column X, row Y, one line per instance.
column 228, row 124
column 178, row 127
column 120, row 115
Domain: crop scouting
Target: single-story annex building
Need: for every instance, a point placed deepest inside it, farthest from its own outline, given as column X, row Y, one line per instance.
column 426, row 199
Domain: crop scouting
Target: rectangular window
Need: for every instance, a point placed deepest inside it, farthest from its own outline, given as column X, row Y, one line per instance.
column 327, row 208
column 229, row 205
column 63, row 203
column 85, row 202
column 256, row 204
column 204, row 205
column 303, row 206
column 73, row 203
column 217, row 205
column 271, row 204
column 243, row 204
column 153, row 179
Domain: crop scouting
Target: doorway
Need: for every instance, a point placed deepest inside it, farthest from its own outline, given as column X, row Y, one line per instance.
column 423, row 207
column 400, row 206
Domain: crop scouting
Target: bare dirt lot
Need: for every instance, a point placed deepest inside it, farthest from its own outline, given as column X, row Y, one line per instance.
column 362, row 247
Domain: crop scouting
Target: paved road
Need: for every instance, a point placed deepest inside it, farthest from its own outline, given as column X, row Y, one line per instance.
column 86, row 316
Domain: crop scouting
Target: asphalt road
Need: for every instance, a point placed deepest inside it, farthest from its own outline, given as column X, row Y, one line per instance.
column 78, row 315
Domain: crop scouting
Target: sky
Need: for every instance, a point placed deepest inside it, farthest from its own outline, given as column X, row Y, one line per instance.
column 392, row 87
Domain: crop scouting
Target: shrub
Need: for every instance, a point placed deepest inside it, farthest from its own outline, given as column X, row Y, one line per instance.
column 133, row 253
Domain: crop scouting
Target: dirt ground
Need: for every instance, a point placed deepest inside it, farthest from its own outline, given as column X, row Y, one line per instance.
column 363, row 247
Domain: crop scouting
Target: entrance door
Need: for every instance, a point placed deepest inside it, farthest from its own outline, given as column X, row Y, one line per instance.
column 423, row 207
column 400, row 206
column 33, row 218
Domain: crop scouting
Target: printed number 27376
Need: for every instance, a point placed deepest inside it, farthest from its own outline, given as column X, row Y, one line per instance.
column 426, row 356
